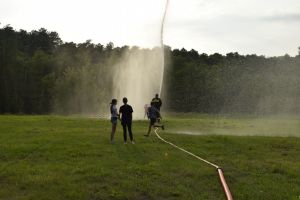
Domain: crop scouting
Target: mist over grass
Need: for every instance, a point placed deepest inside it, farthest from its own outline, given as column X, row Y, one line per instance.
column 239, row 125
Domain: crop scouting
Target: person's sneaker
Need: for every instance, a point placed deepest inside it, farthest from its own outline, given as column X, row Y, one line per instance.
column 125, row 142
column 132, row 142
column 163, row 127
column 146, row 135
column 112, row 142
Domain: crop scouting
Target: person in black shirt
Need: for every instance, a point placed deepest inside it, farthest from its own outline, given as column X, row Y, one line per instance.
column 126, row 120
column 157, row 102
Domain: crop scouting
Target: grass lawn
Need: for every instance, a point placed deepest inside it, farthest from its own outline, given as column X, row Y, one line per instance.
column 53, row 157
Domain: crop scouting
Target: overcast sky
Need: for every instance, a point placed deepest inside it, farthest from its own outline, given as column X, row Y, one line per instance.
column 264, row 27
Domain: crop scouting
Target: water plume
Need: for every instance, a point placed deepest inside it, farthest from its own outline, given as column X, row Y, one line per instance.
column 162, row 45
column 139, row 74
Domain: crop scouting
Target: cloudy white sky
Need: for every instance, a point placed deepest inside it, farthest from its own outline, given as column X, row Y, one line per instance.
column 264, row 27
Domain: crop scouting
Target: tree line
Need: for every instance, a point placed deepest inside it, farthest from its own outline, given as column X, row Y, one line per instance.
column 40, row 74
column 234, row 83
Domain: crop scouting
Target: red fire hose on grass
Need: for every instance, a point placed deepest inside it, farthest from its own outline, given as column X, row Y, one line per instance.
column 219, row 170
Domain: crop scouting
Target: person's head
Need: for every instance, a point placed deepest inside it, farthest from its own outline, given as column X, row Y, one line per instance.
column 125, row 100
column 156, row 96
column 114, row 102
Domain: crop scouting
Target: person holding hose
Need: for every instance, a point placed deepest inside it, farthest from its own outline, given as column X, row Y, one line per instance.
column 153, row 115
column 157, row 102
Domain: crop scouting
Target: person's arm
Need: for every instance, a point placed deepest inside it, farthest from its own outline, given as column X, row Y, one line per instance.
column 131, row 110
column 120, row 112
column 148, row 112
column 160, row 103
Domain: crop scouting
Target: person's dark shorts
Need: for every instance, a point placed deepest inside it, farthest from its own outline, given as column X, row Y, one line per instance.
column 114, row 120
column 152, row 121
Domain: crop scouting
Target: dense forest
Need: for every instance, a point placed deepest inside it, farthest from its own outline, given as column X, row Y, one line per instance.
column 40, row 74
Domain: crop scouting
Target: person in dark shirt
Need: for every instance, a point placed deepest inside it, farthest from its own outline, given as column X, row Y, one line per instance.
column 157, row 102
column 125, row 113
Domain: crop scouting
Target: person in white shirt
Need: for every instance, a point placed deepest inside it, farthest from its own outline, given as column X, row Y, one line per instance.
column 114, row 118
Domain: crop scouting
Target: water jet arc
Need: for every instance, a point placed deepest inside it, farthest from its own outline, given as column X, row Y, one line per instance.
column 162, row 45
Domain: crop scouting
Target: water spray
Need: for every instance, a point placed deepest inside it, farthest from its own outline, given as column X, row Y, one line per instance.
column 138, row 74
column 162, row 46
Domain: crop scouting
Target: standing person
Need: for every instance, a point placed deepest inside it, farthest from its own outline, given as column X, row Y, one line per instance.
column 154, row 115
column 126, row 120
column 157, row 102
column 113, row 119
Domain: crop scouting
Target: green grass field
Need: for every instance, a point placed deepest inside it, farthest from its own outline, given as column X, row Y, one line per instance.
column 53, row 157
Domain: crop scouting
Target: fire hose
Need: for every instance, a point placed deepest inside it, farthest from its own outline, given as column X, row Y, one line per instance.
column 219, row 169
